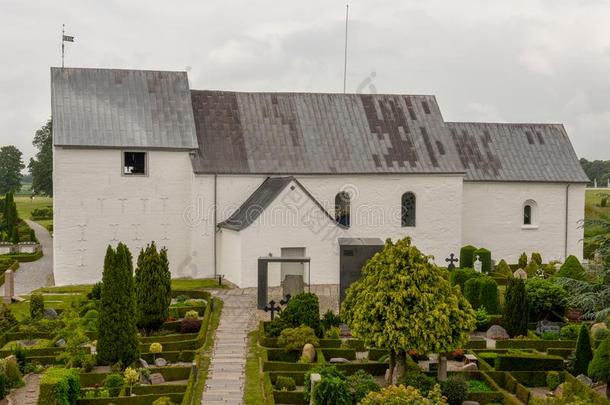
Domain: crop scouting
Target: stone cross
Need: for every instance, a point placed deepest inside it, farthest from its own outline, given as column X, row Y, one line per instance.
column 9, row 286
column 451, row 259
column 271, row 307
column 220, row 277
column 478, row 264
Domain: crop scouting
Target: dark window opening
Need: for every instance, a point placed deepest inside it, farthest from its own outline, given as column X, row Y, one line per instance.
column 342, row 208
column 134, row 163
column 426, row 107
column 408, row 209
column 527, row 215
column 540, row 138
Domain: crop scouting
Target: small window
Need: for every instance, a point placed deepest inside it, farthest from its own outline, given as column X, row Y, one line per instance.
column 342, row 208
column 530, row 213
column 408, row 209
column 527, row 215
column 134, row 163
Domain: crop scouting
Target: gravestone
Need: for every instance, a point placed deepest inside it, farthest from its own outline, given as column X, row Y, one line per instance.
column 50, row 313
column 9, row 286
column 143, row 363
column 496, row 332
column 478, row 265
column 520, row 273
column 338, row 360
column 470, row 367
column 293, row 285
column 547, row 326
column 160, row 362
column 156, row 378
column 585, row 380
column 309, row 353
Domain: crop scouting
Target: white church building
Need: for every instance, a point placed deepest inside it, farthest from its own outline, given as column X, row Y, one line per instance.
column 223, row 178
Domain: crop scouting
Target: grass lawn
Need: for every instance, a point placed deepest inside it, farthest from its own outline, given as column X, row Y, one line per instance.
column 25, row 205
column 55, row 301
column 195, row 284
column 37, row 344
column 253, row 391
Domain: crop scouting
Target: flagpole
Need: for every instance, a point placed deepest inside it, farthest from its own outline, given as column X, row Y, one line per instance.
column 63, row 27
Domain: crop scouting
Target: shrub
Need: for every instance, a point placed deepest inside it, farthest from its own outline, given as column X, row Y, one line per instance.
column 3, row 388
column 483, row 291
column 131, row 376
column 570, row 331
column 482, row 318
column 330, row 320
column 332, row 391
column 583, row 354
column 572, row 268
column 285, row 383
column 155, row 348
column 527, row 362
column 523, row 261
column 7, row 319
column 503, row 268
column 537, row 258
column 553, row 379
column 59, row 386
column 36, row 306
column 182, row 298
column 325, row 372
column 515, row 313
column 360, row 384
column 532, row 270
column 96, row 291
column 332, row 333
column 461, row 276
column 192, row 314
column 152, row 288
column 114, row 383
column 455, row 389
column 485, row 258
column 599, row 331
column 467, row 256
column 163, row 401
column 190, row 325
column 419, row 380
column 400, row 395
column 42, row 213
column 550, row 335
column 303, row 309
column 296, row 338
column 544, row 296
column 13, row 375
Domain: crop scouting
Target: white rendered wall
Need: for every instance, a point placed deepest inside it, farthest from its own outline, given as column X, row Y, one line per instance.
column 493, row 218
column 230, row 249
column 95, row 205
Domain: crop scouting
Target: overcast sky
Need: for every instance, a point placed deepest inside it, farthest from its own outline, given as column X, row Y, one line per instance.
column 487, row 60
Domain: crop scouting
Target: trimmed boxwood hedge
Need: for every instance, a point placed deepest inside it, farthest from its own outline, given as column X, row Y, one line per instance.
column 169, row 374
column 376, row 354
column 474, row 344
column 289, row 397
column 528, row 362
column 172, row 357
column 159, row 389
column 168, row 338
column 560, row 351
column 538, row 344
column 530, row 378
column 59, row 386
column 467, row 256
column 137, row 400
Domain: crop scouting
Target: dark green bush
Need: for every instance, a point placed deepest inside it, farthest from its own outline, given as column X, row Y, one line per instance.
column 483, row 292
column 455, row 389
column 332, row 391
column 537, row 258
column 553, row 379
column 485, row 257
column 583, row 354
column 503, row 268
column 328, row 371
column 572, row 268
column 96, row 291
column 523, row 261
column 42, row 213
column 472, row 292
column 285, row 383
column 360, row 384
column 14, row 379
column 527, row 362
column 302, row 309
column 419, row 380
column 7, row 319
column 296, row 338
column 570, row 331
column 543, row 297
column 114, row 383
column 467, row 256
column 461, row 276
column 330, row 320
column 152, row 285
column 59, row 386
column 36, row 306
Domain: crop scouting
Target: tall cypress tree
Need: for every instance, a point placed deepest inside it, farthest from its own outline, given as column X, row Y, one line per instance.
column 584, row 354
column 118, row 334
column 515, row 308
column 153, row 288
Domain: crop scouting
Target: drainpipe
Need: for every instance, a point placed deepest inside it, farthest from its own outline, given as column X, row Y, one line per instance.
column 215, row 228
column 565, row 255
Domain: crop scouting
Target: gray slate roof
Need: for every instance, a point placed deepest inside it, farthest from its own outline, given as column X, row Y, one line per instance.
column 261, row 198
column 121, row 108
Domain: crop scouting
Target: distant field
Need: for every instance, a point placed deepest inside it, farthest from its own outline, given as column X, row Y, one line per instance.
column 25, row 205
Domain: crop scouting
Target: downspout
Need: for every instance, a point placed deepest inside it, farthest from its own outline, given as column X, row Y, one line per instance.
column 565, row 255
column 215, row 226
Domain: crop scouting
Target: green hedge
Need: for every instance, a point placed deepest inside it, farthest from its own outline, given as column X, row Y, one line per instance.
column 194, row 294
column 43, row 351
column 560, row 351
column 486, row 397
column 485, row 256
column 137, row 400
column 169, row 374
column 172, row 357
column 356, row 344
column 376, row 354
column 289, row 397
column 168, row 338
column 25, row 257
column 530, row 378
column 59, row 386
column 297, row 376
column 475, row 344
column 467, row 256
column 159, row 389
column 527, row 362
column 538, row 344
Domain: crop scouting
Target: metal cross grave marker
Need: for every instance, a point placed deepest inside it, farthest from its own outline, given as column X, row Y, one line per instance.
column 451, row 259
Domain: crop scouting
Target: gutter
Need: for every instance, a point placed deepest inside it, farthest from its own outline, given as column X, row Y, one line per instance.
column 215, row 227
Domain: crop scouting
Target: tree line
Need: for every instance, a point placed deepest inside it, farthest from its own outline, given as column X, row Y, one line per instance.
column 40, row 166
column 596, row 170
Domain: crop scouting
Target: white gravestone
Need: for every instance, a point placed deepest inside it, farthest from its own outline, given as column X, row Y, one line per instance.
column 478, row 265
column 9, row 286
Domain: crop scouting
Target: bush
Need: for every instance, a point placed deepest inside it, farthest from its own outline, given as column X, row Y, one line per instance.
column 42, row 213
column 285, row 383
column 419, row 380
column 59, row 386
column 455, row 389
column 482, row 318
column 599, row 331
column 543, row 297
column 467, row 256
column 472, row 292
column 155, row 348
column 550, row 335
column 527, row 362
column 572, row 268
column 400, row 395
column 152, row 288
column 114, row 383
column 599, row 367
column 485, row 258
column 570, row 331
column 483, row 291
column 537, row 258
column 532, row 270
column 163, row 401
column 461, row 276
column 553, row 379
column 332, row 333
column 523, row 261
column 296, row 338
column 360, row 384
column 13, row 375
column 96, row 291
column 302, row 309
column 7, row 319
column 503, row 268
column 330, row 320
column 325, row 372
column 332, row 391
column 36, row 306
column 190, row 325
column 192, row 314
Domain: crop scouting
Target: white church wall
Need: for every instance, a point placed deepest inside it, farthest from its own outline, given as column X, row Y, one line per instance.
column 95, row 205
column 230, row 250
column 493, row 218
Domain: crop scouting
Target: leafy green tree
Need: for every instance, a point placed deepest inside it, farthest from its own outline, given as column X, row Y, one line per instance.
column 537, row 258
column 10, row 217
column 584, row 354
column 41, row 166
column 11, row 165
column 118, row 334
column 515, row 308
column 404, row 302
column 599, row 368
column 153, row 288
column 545, row 296
column 572, row 268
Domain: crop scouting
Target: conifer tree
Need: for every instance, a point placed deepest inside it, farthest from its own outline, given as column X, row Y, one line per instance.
column 515, row 308
column 118, row 334
column 584, row 354
column 153, row 288
column 572, row 268
column 522, row 260
column 599, row 368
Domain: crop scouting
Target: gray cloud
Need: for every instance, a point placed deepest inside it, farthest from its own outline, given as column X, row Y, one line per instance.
column 519, row 61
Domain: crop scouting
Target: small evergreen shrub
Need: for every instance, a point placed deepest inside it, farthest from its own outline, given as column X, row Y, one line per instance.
column 285, row 383
column 325, row 372
column 522, row 261
column 531, row 269
column 537, row 258
column 503, row 268
column 583, row 354
column 455, row 390
column 330, row 320
column 482, row 318
column 467, row 256
column 599, row 331
column 96, row 291
column 544, row 296
column 192, row 314
column 7, row 319
column 553, row 379
column 10, row 369
column 59, row 386
column 399, row 394
column 570, row 331
column 472, row 292
column 483, row 291
column 190, row 325
column 550, row 335
column 462, row 275
column 296, row 338
column 419, row 380
column 332, row 333
column 572, row 268
column 182, row 298
column 599, row 367
column 515, row 313
column 36, row 306
column 332, row 391
column 360, row 384
column 114, row 383
column 303, row 309
column 485, row 257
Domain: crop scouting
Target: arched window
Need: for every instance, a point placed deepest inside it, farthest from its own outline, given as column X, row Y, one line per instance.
column 342, row 208
column 527, row 215
column 530, row 209
column 408, row 209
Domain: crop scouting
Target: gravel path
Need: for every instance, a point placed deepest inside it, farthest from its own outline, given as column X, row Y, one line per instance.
column 226, row 376
column 27, row 395
column 33, row 275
